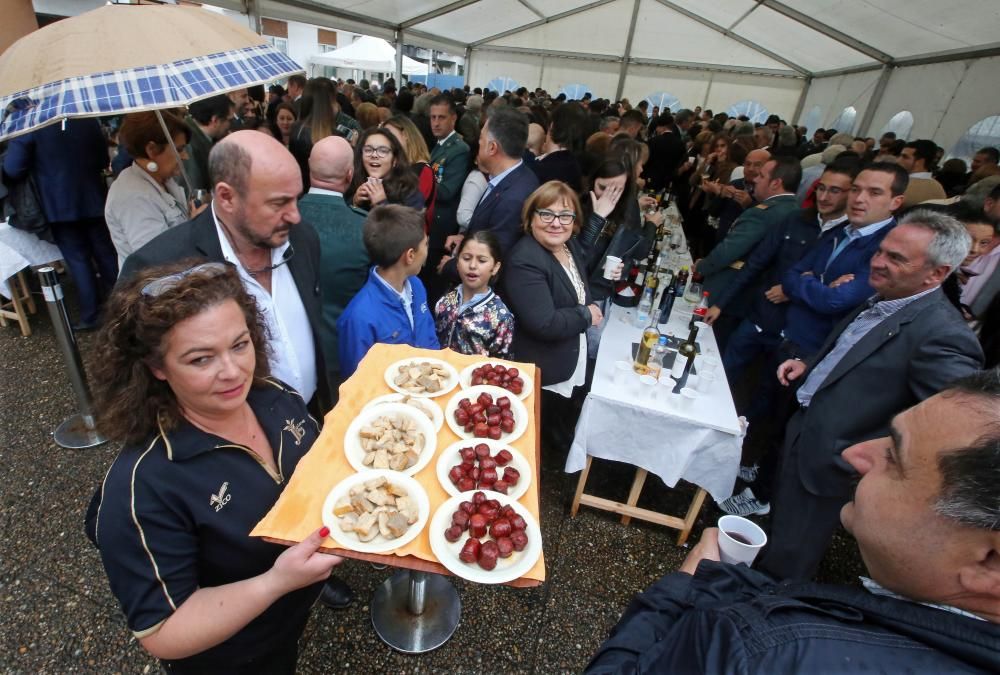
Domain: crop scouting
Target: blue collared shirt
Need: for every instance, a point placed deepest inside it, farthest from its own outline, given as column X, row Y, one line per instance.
column 496, row 180
column 875, row 313
column 405, row 298
column 852, row 233
column 463, row 304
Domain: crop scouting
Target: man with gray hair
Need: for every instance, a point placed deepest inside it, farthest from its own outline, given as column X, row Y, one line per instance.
column 926, row 517
column 905, row 344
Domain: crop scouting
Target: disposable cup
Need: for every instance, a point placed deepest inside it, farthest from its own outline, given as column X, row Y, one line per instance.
column 647, row 384
column 693, row 381
column 706, row 381
column 688, row 395
column 623, row 373
column 610, row 263
column 707, row 364
column 733, row 551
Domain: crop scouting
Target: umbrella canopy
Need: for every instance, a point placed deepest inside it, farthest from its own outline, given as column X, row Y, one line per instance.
column 124, row 58
column 368, row 53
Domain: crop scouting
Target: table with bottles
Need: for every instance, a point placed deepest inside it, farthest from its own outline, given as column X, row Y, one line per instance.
column 677, row 423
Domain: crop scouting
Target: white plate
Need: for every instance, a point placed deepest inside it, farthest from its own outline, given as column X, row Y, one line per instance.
column 465, row 378
column 379, row 544
column 451, row 456
column 514, row 567
column 437, row 417
column 352, row 441
column 472, row 393
column 451, row 383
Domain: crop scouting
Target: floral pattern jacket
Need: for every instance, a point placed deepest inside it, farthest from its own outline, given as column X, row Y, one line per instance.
column 486, row 327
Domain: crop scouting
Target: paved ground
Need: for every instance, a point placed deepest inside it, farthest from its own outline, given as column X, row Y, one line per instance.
column 57, row 615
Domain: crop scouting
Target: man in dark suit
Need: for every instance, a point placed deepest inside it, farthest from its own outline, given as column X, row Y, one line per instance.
column 904, row 345
column 666, row 152
column 450, row 162
column 66, row 161
column 343, row 257
column 253, row 222
column 208, row 120
column 501, row 145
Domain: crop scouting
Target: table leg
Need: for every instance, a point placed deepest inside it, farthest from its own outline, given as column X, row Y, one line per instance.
column 692, row 514
column 414, row 612
column 633, row 495
column 19, row 288
column 580, row 484
column 29, row 301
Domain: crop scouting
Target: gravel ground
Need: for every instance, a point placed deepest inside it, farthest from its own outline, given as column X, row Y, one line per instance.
column 58, row 616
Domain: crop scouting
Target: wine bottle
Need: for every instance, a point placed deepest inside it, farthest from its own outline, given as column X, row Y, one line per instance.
column 650, row 336
column 686, row 350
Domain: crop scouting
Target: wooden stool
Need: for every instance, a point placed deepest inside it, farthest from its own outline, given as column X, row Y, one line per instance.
column 20, row 304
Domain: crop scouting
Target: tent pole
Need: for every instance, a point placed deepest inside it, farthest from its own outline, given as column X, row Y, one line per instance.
column 876, row 98
column 399, row 59
column 802, row 100
column 253, row 13
column 628, row 51
column 468, row 64
column 708, row 91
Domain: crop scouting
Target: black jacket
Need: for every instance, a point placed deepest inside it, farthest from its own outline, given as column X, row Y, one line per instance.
column 548, row 316
column 198, row 238
column 559, row 165
column 666, row 152
column 734, row 620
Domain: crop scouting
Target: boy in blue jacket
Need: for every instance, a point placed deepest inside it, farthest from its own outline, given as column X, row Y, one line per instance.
column 392, row 305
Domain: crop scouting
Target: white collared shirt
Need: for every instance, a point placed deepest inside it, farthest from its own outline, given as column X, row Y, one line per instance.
column 826, row 225
column 444, row 140
column 921, row 174
column 323, row 191
column 292, row 354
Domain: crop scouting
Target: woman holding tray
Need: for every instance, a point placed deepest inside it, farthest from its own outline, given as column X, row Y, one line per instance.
column 181, row 379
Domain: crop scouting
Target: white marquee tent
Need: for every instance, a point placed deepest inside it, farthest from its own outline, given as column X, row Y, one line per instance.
column 925, row 68
column 369, row 54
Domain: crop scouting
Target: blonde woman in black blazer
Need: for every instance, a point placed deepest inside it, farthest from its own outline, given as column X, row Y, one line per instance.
column 545, row 286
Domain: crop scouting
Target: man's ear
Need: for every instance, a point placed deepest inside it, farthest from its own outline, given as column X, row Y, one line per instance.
column 896, row 203
column 981, row 577
column 224, row 197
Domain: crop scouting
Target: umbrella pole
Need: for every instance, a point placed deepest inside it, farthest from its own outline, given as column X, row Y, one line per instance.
column 177, row 155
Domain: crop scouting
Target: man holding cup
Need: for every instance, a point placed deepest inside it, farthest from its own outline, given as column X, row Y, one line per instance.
column 926, row 516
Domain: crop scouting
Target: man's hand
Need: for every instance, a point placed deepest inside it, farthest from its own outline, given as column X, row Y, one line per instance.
column 776, row 294
column 711, row 187
column 712, row 314
column 707, row 548
column 452, row 242
column 790, row 370
column 841, row 280
column 742, row 197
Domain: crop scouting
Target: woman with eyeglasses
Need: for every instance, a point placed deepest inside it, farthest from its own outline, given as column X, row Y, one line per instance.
column 545, row 283
column 180, row 378
column 382, row 173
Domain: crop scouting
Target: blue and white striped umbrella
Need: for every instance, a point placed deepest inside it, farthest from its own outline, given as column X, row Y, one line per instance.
column 125, row 58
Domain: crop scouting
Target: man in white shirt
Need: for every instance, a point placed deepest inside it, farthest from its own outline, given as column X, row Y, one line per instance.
column 918, row 159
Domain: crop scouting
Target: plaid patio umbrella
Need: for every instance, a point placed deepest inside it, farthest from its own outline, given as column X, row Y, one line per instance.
column 125, row 58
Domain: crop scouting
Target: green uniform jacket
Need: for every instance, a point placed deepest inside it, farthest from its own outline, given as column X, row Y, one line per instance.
column 450, row 162
column 343, row 264
column 721, row 265
column 196, row 165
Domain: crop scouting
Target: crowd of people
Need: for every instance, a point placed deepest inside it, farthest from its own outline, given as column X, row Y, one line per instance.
column 270, row 241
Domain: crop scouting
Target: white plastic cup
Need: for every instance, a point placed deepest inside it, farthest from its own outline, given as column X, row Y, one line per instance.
column 708, row 364
column 705, row 381
column 647, row 384
column 623, row 371
column 610, row 263
column 733, row 551
column 688, row 395
column 693, row 381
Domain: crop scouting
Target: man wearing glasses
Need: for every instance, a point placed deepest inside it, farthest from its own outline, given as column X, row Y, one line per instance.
column 253, row 222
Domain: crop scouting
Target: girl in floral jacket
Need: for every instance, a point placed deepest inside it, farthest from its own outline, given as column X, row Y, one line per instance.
column 472, row 319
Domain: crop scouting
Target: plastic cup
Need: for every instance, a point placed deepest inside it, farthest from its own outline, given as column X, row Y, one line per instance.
column 705, row 381
column 693, row 381
column 708, row 364
column 610, row 263
column 688, row 396
column 732, row 550
column 623, row 371
column 647, row 384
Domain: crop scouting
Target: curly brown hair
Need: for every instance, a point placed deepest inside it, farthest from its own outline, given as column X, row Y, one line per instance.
column 129, row 400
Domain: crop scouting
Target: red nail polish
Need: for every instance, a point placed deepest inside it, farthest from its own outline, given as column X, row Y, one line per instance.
column 324, row 532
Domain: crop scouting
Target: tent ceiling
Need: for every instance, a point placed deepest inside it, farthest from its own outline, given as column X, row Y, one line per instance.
column 794, row 37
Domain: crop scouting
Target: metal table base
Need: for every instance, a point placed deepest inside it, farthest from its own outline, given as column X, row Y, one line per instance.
column 414, row 612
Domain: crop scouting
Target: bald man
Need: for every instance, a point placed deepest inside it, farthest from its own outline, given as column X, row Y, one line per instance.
column 343, row 256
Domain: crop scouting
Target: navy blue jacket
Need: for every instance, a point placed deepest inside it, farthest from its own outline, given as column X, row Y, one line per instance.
column 376, row 314
column 780, row 249
column 734, row 620
column 814, row 307
column 67, row 166
column 500, row 211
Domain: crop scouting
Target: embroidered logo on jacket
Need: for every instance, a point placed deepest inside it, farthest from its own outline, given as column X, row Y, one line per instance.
column 296, row 429
column 221, row 499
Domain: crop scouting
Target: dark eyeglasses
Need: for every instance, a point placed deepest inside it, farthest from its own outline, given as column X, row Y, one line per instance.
column 157, row 287
column 381, row 151
column 285, row 257
column 547, row 217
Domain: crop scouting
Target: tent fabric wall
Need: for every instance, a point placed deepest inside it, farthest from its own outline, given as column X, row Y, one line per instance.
column 944, row 98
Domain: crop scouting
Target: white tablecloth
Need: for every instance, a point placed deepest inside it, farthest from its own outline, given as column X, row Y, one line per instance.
column 700, row 442
column 20, row 249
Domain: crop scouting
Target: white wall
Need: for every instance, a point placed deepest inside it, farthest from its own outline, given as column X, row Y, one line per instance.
column 303, row 42
column 833, row 94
